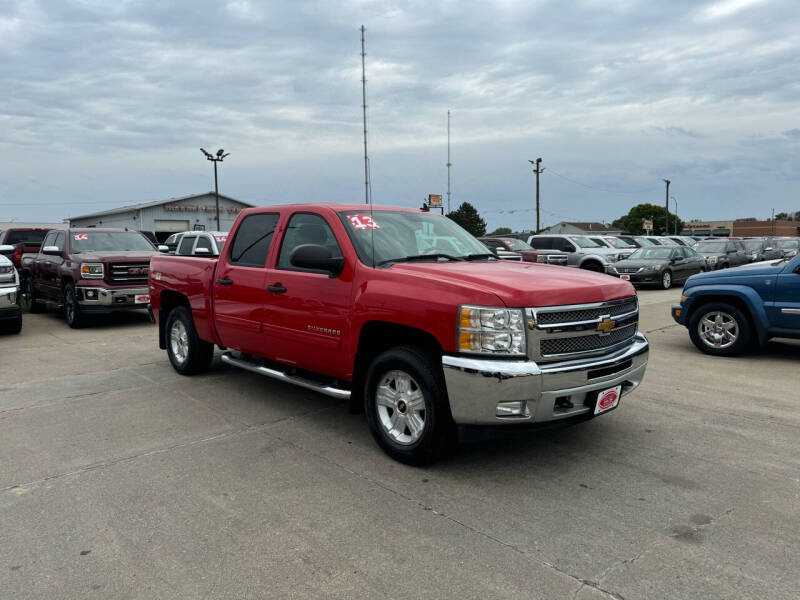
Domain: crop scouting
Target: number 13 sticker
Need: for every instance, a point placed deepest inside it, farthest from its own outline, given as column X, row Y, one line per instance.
column 363, row 222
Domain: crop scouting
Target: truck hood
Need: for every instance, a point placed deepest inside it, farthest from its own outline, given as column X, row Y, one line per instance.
column 121, row 255
column 523, row 284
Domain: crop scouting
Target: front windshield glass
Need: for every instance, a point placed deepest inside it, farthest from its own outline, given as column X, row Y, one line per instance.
column 618, row 243
column 584, row 242
column 106, row 241
column 518, row 245
column 394, row 235
column 718, row 247
column 651, row 254
column 790, row 244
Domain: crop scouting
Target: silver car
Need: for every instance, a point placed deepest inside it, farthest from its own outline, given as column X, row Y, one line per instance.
column 583, row 252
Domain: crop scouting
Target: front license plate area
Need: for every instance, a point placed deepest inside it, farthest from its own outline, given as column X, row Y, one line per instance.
column 143, row 299
column 607, row 399
column 625, row 277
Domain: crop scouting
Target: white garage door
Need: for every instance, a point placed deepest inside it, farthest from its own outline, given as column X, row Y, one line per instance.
column 171, row 226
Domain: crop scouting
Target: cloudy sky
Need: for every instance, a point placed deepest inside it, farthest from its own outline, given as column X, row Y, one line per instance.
column 107, row 103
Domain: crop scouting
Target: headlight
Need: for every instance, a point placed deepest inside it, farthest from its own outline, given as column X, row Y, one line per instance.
column 484, row 330
column 711, row 259
column 754, row 255
column 656, row 267
column 542, row 258
column 6, row 270
column 92, row 270
column 612, row 257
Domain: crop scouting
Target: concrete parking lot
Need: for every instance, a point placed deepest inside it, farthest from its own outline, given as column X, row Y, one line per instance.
column 121, row 479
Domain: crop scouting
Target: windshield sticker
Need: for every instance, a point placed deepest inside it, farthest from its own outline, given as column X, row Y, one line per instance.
column 360, row 222
column 80, row 237
column 220, row 238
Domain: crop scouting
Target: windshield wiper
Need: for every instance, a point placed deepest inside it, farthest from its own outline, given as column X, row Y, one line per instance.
column 479, row 256
column 418, row 257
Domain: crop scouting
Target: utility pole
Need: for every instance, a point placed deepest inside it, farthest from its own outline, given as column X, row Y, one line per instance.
column 773, row 221
column 538, row 170
column 364, row 107
column 449, row 164
column 221, row 154
column 666, row 223
column 676, row 214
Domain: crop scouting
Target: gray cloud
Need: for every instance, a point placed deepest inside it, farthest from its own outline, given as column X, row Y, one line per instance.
column 611, row 95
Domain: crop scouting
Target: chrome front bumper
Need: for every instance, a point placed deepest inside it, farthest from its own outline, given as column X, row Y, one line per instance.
column 9, row 296
column 92, row 295
column 496, row 392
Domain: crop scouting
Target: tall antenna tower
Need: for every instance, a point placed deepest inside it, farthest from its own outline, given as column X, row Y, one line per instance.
column 449, row 164
column 364, row 107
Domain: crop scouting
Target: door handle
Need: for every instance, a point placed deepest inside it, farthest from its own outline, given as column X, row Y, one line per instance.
column 225, row 281
column 277, row 288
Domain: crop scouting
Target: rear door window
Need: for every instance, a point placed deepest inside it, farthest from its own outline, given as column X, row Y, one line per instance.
column 253, row 238
column 541, row 243
column 185, row 247
column 204, row 242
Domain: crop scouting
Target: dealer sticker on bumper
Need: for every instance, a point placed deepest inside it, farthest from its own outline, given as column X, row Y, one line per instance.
column 143, row 299
column 625, row 277
column 607, row 399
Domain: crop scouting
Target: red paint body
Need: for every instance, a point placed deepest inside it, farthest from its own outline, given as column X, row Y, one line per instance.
column 316, row 324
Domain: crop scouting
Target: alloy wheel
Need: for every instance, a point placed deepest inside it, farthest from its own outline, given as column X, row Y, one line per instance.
column 179, row 341
column 400, row 407
column 718, row 329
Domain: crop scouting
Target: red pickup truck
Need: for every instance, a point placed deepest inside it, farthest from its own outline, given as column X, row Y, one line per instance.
column 405, row 314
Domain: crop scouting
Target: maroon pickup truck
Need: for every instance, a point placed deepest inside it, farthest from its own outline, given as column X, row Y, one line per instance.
column 88, row 271
column 24, row 240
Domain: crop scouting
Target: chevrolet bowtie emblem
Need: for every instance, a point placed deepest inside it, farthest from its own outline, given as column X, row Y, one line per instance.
column 606, row 325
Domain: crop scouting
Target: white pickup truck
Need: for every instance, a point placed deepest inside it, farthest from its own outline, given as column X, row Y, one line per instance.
column 10, row 312
column 195, row 243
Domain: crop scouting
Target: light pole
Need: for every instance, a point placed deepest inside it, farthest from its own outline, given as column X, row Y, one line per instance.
column 676, row 213
column 537, row 168
column 215, row 159
column 666, row 203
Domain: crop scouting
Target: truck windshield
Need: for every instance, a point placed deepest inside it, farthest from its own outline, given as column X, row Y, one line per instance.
column 107, row 241
column 618, row 243
column 386, row 236
column 585, row 242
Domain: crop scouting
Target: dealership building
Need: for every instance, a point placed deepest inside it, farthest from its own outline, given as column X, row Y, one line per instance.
column 165, row 217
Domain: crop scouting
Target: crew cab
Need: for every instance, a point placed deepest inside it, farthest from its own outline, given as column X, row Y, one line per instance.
column 726, row 311
column 89, row 270
column 506, row 245
column 582, row 251
column 10, row 311
column 23, row 240
column 364, row 305
column 197, row 243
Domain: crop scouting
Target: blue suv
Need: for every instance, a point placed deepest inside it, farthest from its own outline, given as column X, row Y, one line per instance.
column 727, row 310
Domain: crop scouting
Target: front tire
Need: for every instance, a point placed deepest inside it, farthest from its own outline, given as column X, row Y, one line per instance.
column 72, row 310
column 406, row 406
column 720, row 329
column 188, row 354
column 30, row 296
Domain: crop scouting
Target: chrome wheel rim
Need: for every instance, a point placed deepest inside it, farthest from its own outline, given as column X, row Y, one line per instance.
column 718, row 329
column 666, row 280
column 179, row 341
column 401, row 407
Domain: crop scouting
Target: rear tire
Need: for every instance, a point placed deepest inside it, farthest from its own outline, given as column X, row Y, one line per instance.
column 666, row 279
column 406, row 405
column 72, row 310
column 188, row 354
column 720, row 329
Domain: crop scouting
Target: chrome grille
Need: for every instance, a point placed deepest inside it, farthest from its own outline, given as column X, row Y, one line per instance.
column 587, row 343
column 547, row 316
column 629, row 270
column 129, row 272
column 556, row 259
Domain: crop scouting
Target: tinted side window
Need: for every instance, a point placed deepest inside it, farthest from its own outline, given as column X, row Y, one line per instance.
column 541, row 243
column 494, row 246
column 306, row 228
column 60, row 241
column 203, row 242
column 185, row 247
column 50, row 239
column 251, row 244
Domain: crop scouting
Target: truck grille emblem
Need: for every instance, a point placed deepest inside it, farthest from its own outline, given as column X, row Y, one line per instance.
column 606, row 325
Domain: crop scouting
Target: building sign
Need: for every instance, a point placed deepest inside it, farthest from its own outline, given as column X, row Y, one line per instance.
column 647, row 224
column 435, row 200
column 231, row 210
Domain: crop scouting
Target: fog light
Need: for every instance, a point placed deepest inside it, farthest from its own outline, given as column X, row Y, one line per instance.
column 517, row 408
column 91, row 294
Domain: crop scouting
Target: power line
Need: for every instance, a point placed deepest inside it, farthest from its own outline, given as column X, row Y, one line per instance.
column 591, row 187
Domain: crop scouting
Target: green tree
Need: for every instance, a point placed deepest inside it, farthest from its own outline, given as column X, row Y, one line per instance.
column 782, row 216
column 467, row 216
column 632, row 222
column 500, row 231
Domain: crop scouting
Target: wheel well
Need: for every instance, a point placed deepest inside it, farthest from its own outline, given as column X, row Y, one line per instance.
column 169, row 300
column 733, row 301
column 65, row 279
column 377, row 336
column 591, row 262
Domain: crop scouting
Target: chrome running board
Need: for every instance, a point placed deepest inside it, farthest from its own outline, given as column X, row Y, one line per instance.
column 281, row 376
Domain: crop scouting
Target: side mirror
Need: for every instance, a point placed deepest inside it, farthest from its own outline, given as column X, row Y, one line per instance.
column 202, row 251
column 768, row 249
column 673, row 260
column 163, row 248
column 317, row 258
column 6, row 250
column 51, row 250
